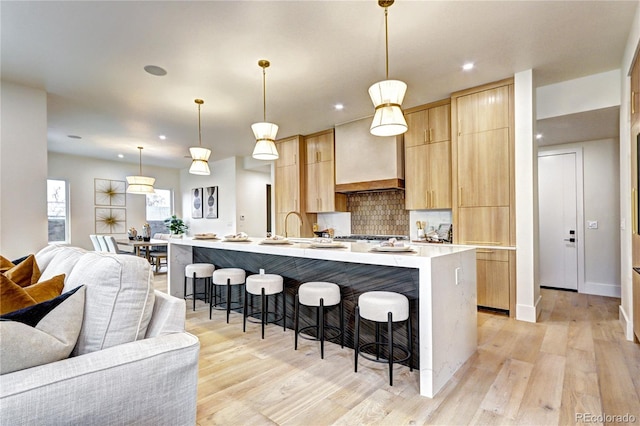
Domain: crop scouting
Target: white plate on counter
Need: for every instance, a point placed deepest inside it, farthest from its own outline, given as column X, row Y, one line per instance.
column 205, row 237
column 235, row 239
column 269, row 241
column 392, row 249
column 328, row 245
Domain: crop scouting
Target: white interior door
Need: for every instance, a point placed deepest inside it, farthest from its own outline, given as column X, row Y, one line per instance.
column 558, row 216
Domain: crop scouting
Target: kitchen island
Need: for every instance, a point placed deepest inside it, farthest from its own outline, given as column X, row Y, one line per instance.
column 440, row 283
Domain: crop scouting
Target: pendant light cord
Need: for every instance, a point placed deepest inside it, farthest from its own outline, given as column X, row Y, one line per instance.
column 264, row 95
column 140, row 149
column 199, row 129
column 386, row 41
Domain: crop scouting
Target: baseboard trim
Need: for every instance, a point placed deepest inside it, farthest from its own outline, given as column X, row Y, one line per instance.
column 601, row 289
column 627, row 325
column 528, row 313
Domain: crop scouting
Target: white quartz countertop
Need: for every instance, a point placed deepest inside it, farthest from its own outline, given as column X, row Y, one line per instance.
column 350, row 252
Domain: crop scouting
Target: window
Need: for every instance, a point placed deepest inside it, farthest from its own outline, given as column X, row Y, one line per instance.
column 57, row 211
column 159, row 205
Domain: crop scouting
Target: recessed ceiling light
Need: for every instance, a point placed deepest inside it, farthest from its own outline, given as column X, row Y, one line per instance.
column 468, row 66
column 74, row 137
column 162, row 137
column 339, row 107
column 120, row 156
column 539, row 136
column 155, row 70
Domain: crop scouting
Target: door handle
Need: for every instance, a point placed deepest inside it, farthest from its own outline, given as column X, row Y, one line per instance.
column 571, row 240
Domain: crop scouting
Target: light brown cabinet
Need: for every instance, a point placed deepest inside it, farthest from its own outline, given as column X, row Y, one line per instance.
column 289, row 189
column 320, row 174
column 483, row 206
column 428, row 158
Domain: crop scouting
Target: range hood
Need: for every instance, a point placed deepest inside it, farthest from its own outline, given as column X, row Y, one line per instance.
column 365, row 162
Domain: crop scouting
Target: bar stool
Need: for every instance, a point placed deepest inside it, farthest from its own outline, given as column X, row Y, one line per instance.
column 198, row 271
column 225, row 277
column 265, row 285
column 383, row 307
column 320, row 295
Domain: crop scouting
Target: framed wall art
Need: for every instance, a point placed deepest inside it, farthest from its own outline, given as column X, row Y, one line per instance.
column 196, row 203
column 110, row 220
column 211, row 202
column 109, row 192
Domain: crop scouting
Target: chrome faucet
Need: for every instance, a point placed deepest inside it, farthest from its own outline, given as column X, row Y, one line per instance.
column 287, row 217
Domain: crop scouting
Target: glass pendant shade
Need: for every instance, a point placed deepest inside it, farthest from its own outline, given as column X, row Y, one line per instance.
column 387, row 97
column 265, row 134
column 140, row 185
column 200, row 163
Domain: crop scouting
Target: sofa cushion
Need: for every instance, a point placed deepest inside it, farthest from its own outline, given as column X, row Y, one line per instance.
column 46, row 254
column 62, row 262
column 119, row 299
column 24, row 273
column 42, row 333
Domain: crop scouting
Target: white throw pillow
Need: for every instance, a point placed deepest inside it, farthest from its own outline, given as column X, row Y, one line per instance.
column 119, row 299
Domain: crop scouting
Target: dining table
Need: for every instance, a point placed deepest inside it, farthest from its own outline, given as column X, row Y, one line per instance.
column 138, row 244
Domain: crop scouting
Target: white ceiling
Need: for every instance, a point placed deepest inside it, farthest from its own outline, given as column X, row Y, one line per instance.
column 89, row 57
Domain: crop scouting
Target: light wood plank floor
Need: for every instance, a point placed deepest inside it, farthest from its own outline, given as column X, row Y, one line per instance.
column 574, row 361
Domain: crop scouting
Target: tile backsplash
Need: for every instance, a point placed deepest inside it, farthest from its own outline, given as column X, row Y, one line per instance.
column 380, row 213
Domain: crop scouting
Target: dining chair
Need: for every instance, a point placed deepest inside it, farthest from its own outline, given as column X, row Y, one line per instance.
column 103, row 243
column 95, row 242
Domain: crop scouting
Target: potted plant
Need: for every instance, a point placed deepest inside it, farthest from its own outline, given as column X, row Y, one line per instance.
column 176, row 226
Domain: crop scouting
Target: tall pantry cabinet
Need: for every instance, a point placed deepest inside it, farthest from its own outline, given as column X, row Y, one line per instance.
column 482, row 127
column 290, row 189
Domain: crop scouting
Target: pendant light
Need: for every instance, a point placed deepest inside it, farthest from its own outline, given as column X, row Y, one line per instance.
column 199, row 155
column 264, row 132
column 140, row 184
column 387, row 95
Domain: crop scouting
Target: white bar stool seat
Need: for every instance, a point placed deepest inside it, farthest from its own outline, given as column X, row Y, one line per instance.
column 318, row 294
column 265, row 285
column 195, row 272
column 383, row 307
column 226, row 277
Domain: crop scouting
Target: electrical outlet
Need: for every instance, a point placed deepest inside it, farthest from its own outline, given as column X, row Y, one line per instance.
column 592, row 224
column 458, row 275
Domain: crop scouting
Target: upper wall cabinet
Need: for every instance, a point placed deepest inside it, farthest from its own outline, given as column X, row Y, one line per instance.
column 320, row 174
column 289, row 189
column 427, row 157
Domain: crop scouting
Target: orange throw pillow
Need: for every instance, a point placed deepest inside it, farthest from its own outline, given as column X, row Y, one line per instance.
column 12, row 296
column 5, row 264
column 24, row 273
column 46, row 290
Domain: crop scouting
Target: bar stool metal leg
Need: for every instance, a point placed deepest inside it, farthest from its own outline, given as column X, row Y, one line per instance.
column 296, row 322
column 390, row 339
column 321, row 327
column 356, row 344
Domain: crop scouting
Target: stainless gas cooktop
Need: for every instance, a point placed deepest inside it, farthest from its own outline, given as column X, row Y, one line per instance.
column 366, row 237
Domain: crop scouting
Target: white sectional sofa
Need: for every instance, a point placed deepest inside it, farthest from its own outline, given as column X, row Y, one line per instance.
column 133, row 362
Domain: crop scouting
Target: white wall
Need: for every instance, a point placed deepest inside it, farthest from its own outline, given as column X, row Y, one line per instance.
column 80, row 173
column 526, row 190
column 251, row 215
column 602, row 204
column 240, row 191
column 626, row 313
column 23, row 170
column 579, row 95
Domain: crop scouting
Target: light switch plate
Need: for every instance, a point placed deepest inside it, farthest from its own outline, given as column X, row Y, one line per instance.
column 592, row 224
